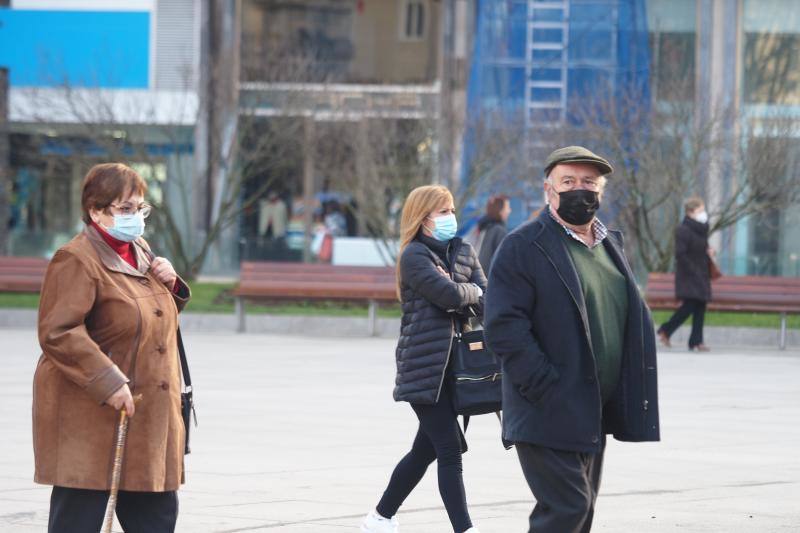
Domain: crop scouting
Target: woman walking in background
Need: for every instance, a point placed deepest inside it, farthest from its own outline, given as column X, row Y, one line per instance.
column 440, row 281
column 108, row 321
column 693, row 259
column 492, row 228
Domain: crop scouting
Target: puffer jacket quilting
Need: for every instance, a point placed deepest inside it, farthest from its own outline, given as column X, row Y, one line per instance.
column 431, row 303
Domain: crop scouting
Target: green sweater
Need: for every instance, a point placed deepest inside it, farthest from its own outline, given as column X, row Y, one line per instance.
column 606, row 294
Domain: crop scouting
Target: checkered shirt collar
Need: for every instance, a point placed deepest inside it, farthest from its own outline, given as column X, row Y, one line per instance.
column 598, row 229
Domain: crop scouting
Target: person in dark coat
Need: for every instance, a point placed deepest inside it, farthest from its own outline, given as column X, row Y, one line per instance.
column 492, row 229
column 440, row 285
column 576, row 341
column 692, row 275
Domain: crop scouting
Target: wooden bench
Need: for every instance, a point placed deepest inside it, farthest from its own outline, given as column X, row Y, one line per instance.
column 22, row 274
column 743, row 294
column 301, row 281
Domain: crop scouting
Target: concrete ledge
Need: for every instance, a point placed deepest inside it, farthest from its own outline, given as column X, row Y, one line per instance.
column 719, row 336
column 18, row 318
column 324, row 326
column 328, row 326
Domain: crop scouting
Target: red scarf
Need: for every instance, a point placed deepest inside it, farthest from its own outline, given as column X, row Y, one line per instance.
column 124, row 249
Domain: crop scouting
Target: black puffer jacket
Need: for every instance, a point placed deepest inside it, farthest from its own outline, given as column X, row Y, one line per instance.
column 692, row 279
column 431, row 303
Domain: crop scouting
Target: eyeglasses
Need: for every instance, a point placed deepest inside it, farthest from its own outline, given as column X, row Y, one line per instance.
column 127, row 209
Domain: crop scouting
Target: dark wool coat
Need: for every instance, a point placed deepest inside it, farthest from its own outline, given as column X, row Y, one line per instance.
column 692, row 278
column 536, row 322
column 431, row 303
column 492, row 233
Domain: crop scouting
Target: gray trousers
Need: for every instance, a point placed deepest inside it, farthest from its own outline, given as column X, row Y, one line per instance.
column 565, row 485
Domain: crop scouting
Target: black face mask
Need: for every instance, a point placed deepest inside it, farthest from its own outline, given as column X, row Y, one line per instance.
column 578, row 207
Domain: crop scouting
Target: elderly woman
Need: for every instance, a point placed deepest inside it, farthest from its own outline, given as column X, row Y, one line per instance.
column 108, row 322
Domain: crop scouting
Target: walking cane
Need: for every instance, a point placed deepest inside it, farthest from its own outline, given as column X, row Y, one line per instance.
column 119, row 451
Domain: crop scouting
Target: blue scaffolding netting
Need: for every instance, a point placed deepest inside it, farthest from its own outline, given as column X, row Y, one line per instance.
column 534, row 63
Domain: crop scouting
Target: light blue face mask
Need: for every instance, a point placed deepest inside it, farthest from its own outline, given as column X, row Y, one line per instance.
column 127, row 228
column 444, row 227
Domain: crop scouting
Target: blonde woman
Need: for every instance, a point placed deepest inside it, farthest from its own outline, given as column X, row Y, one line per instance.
column 439, row 282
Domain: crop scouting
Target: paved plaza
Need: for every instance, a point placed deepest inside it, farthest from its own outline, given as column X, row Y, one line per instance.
column 299, row 435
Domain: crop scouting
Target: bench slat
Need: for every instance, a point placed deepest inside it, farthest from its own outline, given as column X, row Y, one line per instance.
column 22, row 274
column 732, row 293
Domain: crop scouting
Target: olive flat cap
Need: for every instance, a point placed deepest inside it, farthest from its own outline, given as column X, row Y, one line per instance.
column 576, row 154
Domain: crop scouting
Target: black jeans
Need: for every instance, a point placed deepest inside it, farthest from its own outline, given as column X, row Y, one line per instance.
column 565, row 485
column 83, row 511
column 696, row 308
column 439, row 438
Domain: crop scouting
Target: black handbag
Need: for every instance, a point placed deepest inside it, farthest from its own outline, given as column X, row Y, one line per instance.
column 187, row 399
column 476, row 375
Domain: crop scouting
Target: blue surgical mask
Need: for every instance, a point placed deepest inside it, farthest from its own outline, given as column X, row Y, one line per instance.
column 444, row 227
column 127, row 228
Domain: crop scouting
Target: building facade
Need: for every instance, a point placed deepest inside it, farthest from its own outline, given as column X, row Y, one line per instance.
column 340, row 106
column 730, row 65
column 92, row 81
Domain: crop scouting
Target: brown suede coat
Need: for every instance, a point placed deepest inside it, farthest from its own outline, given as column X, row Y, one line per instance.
column 103, row 323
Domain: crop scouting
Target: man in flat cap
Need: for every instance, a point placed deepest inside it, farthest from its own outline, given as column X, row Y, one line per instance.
column 577, row 343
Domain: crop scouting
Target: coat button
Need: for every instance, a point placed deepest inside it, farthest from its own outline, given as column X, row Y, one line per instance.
column 161, row 348
column 159, row 312
column 589, row 379
column 595, row 439
column 164, row 385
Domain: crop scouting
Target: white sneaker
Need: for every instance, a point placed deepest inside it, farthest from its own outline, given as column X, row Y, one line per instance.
column 375, row 523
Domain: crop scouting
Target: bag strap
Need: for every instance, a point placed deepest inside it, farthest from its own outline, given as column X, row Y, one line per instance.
column 187, row 377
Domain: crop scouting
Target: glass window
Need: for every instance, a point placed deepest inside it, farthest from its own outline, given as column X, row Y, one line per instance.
column 672, row 38
column 672, row 59
column 772, row 68
column 414, row 23
column 771, row 52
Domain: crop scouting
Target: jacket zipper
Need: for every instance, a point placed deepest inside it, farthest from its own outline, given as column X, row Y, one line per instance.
column 645, row 402
column 492, row 377
column 447, row 360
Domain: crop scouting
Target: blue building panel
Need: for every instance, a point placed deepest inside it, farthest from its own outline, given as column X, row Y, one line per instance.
column 79, row 48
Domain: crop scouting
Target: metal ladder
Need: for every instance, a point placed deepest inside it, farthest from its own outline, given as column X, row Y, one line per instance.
column 546, row 63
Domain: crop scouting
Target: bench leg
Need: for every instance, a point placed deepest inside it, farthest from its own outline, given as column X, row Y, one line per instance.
column 241, row 324
column 782, row 338
column 373, row 318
